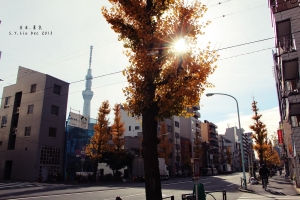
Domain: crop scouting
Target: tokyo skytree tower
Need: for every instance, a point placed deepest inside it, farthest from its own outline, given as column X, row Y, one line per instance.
column 87, row 94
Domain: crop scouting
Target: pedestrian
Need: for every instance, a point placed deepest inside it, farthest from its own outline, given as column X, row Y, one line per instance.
column 118, row 198
column 280, row 171
column 264, row 173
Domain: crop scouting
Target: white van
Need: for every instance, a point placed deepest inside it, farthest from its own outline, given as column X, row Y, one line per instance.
column 214, row 171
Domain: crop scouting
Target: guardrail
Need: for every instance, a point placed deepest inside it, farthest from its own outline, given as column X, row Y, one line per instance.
column 171, row 197
column 193, row 197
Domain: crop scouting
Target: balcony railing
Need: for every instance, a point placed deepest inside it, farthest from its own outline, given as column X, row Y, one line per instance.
column 196, row 114
column 295, row 121
column 286, row 44
column 196, row 107
column 291, row 87
column 282, row 5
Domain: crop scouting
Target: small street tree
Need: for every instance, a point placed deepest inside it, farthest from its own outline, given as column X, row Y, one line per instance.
column 260, row 133
column 162, row 81
column 271, row 157
column 228, row 156
column 99, row 142
column 117, row 130
column 117, row 158
column 164, row 146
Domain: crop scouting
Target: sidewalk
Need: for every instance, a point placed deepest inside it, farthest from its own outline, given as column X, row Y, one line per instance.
column 278, row 185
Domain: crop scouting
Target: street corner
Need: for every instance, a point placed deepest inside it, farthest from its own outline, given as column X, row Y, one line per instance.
column 245, row 190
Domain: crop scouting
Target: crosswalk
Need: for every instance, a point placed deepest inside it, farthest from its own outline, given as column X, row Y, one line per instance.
column 248, row 196
column 11, row 185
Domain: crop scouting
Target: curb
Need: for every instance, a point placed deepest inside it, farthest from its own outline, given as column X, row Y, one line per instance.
column 247, row 191
column 297, row 189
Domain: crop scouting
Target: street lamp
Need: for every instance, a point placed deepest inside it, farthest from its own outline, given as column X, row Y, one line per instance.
column 241, row 136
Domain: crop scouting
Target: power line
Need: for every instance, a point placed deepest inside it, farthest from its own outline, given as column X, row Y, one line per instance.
column 112, row 73
column 246, row 53
column 51, row 62
column 58, row 60
column 238, row 12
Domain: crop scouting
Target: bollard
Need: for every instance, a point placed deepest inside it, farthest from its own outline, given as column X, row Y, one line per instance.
column 224, row 195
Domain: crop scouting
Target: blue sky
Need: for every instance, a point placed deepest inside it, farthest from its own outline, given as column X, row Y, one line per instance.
column 244, row 72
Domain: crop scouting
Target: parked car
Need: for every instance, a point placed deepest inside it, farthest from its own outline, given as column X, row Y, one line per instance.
column 214, row 171
column 206, row 171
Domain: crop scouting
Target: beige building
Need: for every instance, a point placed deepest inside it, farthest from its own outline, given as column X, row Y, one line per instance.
column 286, row 23
column 209, row 135
column 33, row 115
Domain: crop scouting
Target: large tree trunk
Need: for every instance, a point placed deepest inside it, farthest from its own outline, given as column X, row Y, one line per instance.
column 150, row 141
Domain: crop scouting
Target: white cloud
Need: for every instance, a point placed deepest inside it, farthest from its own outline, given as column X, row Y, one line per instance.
column 270, row 117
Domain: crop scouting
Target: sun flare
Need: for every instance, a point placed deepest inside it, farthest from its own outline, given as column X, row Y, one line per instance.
column 180, row 45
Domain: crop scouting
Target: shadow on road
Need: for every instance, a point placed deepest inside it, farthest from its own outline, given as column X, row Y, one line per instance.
column 173, row 185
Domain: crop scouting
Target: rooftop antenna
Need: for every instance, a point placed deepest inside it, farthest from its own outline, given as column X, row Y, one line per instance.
column 91, row 50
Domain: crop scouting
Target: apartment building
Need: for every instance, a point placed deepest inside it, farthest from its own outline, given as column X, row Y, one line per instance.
column 209, row 134
column 190, row 128
column 225, row 154
column 232, row 134
column 286, row 24
column 181, row 132
column 32, row 132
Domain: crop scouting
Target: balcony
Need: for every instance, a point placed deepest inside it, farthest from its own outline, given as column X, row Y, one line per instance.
column 286, row 44
column 282, row 5
column 198, row 130
column 291, row 87
column 196, row 114
column 197, row 107
column 295, row 121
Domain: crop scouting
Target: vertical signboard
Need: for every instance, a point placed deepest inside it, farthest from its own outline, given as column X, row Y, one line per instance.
column 280, row 137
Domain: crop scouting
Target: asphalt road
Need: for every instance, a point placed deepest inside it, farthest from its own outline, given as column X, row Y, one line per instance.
column 127, row 191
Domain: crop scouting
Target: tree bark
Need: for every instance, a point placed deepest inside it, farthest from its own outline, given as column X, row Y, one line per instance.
column 150, row 141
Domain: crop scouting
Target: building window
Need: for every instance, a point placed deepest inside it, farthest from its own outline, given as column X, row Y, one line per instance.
column 50, row 156
column 137, row 127
column 176, row 135
column 129, row 128
column 54, row 110
column 56, row 89
column 169, row 128
column 295, row 121
column 177, row 124
column 7, row 101
column 33, row 88
column 3, row 121
column 52, row 132
column 30, row 109
column 27, row 131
